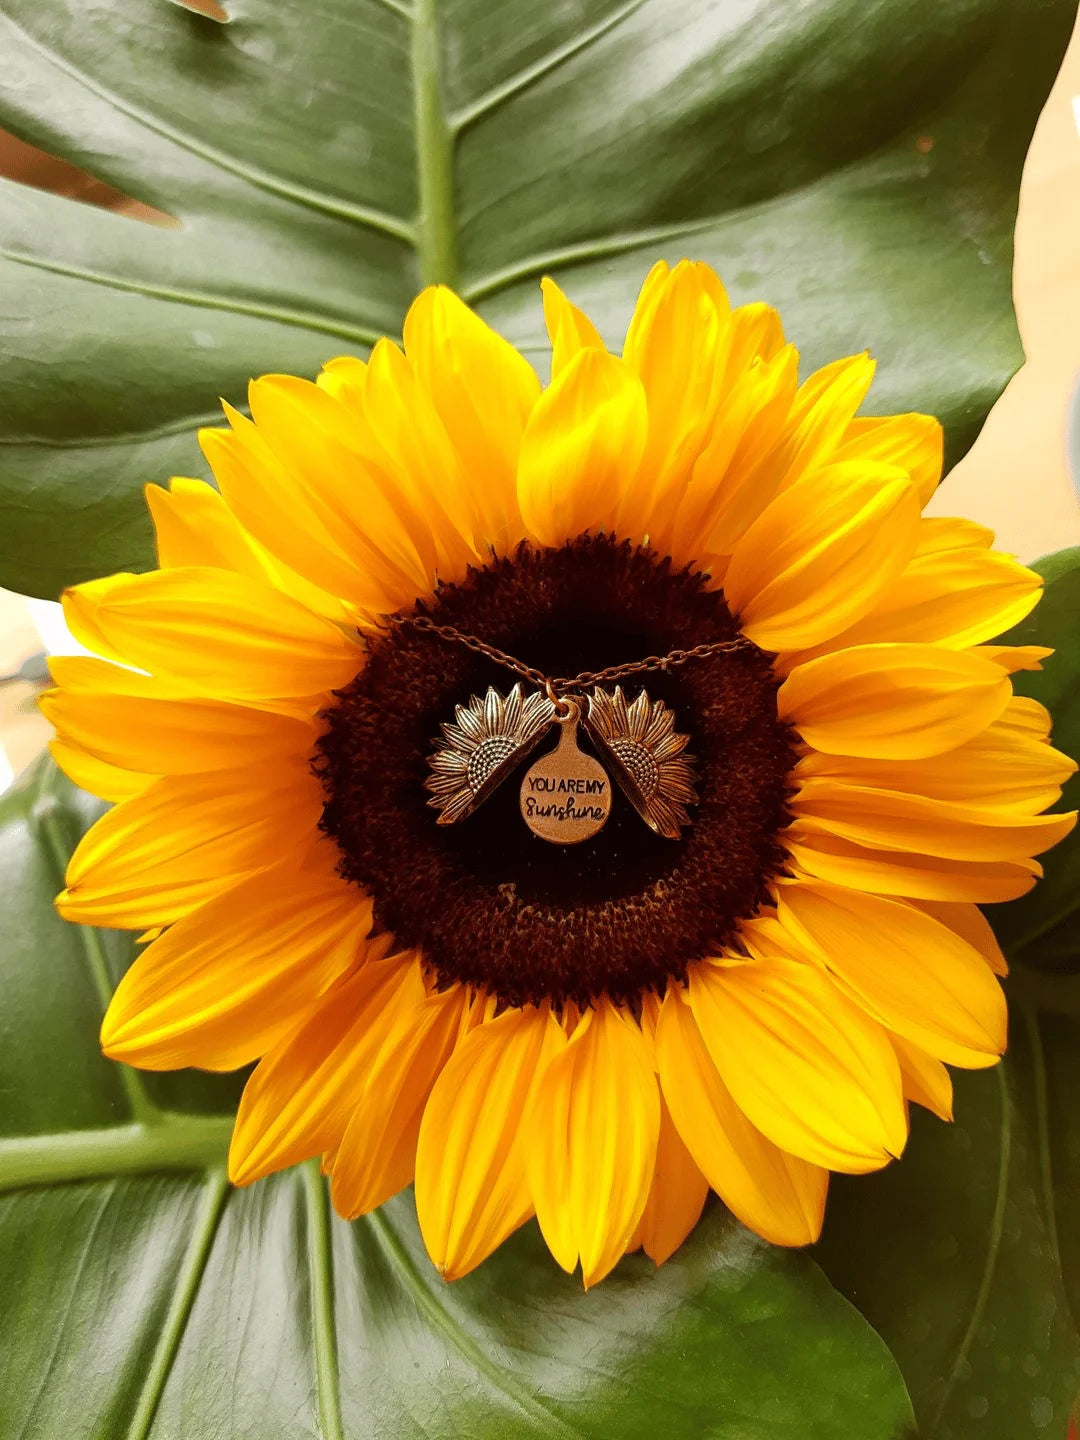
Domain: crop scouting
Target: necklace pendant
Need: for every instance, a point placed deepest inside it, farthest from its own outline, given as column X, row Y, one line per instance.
column 566, row 795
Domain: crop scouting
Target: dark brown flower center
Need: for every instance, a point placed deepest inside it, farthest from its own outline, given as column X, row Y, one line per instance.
column 486, row 901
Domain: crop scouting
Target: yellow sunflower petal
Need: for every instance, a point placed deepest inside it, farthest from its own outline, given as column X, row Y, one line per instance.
column 226, row 634
column 892, row 820
column 582, row 446
column 471, row 1190
column 343, row 378
column 81, row 605
column 757, row 334
column 404, row 421
column 194, row 526
column 724, row 494
column 808, row 1067
column 157, row 856
column 569, row 329
column 676, row 1198
column 129, row 725
column 1004, row 767
column 776, row 1194
column 377, row 1154
column 1014, row 657
column 951, row 532
column 906, row 969
column 820, row 414
column 375, row 503
column 593, row 1126
column 926, row 1081
column 820, row 555
column 971, row 925
column 677, row 345
column 733, row 480
column 897, row 872
column 107, row 782
column 483, row 391
column 291, row 517
column 302, row 1094
column 1026, row 717
column 915, row 443
column 226, row 983
column 893, row 702
column 89, row 675
column 951, row 597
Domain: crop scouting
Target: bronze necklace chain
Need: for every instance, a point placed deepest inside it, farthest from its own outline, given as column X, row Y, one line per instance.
column 566, row 795
column 555, row 687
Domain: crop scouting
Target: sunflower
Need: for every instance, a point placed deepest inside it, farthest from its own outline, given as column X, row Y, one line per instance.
column 597, row 1034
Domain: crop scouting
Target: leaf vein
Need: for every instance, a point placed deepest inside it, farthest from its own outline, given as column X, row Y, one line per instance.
column 364, row 216
column 182, row 426
column 47, row 819
column 525, row 78
column 993, row 1247
column 181, row 1304
column 301, row 319
column 500, row 1378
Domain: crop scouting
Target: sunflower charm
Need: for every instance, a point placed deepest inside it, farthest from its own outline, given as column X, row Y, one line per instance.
column 486, row 740
column 647, row 755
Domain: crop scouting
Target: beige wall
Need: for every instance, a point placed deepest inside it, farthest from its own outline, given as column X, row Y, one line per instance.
column 1015, row 477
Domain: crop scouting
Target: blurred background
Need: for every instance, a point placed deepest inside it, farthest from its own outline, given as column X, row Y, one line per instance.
column 1018, row 478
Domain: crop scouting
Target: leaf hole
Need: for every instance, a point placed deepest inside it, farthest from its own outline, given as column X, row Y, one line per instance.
column 208, row 8
column 28, row 165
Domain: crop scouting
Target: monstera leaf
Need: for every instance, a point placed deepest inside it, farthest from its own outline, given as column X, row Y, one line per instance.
column 855, row 162
column 966, row 1255
column 141, row 1297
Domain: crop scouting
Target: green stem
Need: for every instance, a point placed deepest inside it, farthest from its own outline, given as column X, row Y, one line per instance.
column 173, row 1142
column 435, row 226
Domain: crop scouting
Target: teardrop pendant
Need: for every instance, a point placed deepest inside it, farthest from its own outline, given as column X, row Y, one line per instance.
column 566, row 795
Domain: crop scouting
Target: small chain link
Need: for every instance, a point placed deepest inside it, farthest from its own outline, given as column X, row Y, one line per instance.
column 563, row 684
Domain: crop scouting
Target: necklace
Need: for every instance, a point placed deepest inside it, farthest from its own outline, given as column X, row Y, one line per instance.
column 565, row 796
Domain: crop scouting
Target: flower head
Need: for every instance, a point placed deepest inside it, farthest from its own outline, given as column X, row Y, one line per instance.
column 742, row 997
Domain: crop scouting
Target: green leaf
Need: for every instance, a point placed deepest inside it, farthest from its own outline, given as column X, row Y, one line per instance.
column 855, row 162
column 965, row 1254
column 1042, row 928
column 144, row 1298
